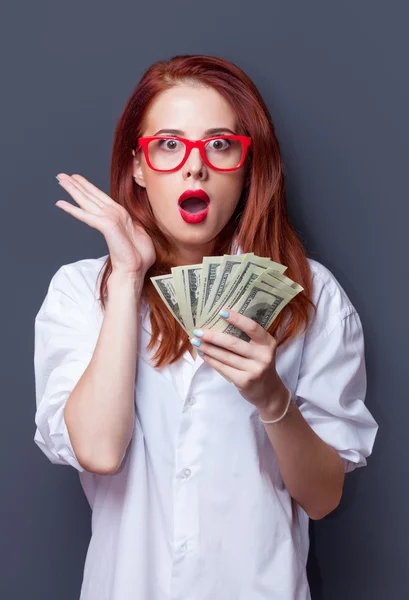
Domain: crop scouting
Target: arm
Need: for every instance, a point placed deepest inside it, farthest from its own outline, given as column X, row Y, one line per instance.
column 313, row 471
column 85, row 383
column 100, row 410
column 329, row 429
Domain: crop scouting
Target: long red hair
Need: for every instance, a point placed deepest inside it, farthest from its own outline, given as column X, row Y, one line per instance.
column 260, row 223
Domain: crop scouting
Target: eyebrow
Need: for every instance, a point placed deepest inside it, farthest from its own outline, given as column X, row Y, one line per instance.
column 214, row 130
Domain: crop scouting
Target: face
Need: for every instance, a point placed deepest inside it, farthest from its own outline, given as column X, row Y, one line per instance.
column 193, row 110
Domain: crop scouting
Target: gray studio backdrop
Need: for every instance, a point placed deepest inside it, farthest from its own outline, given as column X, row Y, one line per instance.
column 334, row 75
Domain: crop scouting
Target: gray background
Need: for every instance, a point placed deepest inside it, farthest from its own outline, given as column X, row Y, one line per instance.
column 334, row 75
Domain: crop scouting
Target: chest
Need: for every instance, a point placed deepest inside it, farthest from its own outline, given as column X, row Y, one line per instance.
column 169, row 393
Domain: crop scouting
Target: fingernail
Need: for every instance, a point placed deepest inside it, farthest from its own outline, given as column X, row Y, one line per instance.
column 198, row 332
column 200, row 352
column 224, row 313
column 57, row 179
column 195, row 342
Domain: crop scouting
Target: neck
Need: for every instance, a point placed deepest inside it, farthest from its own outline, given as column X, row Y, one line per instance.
column 193, row 255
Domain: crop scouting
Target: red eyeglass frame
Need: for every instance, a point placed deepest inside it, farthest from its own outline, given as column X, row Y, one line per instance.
column 144, row 141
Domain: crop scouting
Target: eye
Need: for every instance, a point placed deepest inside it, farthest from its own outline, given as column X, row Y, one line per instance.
column 169, row 144
column 219, row 144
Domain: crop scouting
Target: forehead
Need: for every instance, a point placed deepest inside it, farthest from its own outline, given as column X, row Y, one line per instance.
column 192, row 109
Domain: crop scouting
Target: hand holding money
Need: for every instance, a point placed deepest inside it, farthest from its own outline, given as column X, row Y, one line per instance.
column 251, row 367
column 251, row 285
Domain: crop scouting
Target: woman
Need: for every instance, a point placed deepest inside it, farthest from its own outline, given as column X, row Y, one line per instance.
column 200, row 488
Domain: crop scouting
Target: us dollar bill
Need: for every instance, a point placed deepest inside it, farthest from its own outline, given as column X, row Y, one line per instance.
column 226, row 275
column 180, row 292
column 187, row 282
column 250, row 268
column 165, row 287
column 253, row 285
column 262, row 303
column 280, row 278
column 210, row 271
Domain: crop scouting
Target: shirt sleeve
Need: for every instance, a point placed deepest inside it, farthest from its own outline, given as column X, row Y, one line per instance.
column 332, row 383
column 63, row 347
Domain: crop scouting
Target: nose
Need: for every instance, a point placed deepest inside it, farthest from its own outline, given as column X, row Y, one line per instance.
column 194, row 166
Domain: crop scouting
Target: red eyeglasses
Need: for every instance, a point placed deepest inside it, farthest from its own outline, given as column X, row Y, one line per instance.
column 222, row 153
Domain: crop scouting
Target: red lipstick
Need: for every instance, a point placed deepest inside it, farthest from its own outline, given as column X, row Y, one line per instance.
column 189, row 215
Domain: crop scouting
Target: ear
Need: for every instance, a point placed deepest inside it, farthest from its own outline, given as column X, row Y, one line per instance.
column 137, row 172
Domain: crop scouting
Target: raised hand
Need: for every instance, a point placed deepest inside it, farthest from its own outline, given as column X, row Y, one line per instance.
column 130, row 248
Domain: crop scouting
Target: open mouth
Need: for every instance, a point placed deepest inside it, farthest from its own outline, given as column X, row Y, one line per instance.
column 193, row 205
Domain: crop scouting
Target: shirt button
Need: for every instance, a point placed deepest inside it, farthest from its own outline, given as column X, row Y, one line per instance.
column 186, row 472
column 192, row 400
column 184, row 547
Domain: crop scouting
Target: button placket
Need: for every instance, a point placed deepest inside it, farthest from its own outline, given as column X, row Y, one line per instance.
column 185, row 504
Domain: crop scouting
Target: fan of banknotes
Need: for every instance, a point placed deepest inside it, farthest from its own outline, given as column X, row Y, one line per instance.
column 251, row 285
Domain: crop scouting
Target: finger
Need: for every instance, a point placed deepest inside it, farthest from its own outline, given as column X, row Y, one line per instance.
column 225, row 356
column 80, row 197
column 92, row 189
column 227, row 341
column 89, row 218
column 66, row 179
column 86, row 192
column 255, row 331
column 232, row 375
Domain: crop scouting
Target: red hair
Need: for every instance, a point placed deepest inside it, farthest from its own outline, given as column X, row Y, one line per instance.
column 260, row 223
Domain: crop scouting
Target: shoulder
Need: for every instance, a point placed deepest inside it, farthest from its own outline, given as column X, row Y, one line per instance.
column 74, row 287
column 330, row 298
column 80, row 278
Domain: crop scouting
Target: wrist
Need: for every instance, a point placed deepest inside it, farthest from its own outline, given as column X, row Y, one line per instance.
column 119, row 278
column 274, row 408
column 125, row 284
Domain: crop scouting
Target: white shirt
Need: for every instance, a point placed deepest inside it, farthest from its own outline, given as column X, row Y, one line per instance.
column 198, row 509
